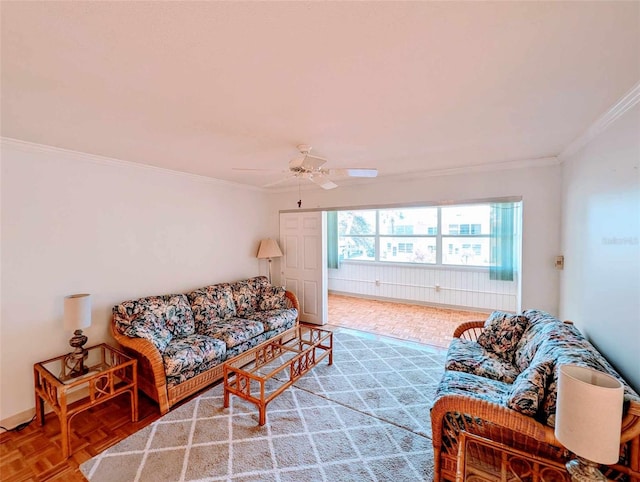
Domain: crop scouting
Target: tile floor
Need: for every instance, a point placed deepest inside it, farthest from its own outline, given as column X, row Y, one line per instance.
column 423, row 324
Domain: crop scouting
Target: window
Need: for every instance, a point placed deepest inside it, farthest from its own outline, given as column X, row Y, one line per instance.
column 408, row 235
column 357, row 235
column 442, row 235
column 467, row 234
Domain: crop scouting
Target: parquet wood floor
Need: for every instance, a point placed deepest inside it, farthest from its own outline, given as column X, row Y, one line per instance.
column 34, row 453
column 423, row 324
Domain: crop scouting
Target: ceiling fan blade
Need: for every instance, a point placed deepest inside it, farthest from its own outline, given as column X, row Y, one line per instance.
column 312, row 162
column 355, row 172
column 279, row 181
column 252, row 169
column 323, row 181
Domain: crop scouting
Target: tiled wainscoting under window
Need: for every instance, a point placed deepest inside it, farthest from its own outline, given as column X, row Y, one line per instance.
column 456, row 287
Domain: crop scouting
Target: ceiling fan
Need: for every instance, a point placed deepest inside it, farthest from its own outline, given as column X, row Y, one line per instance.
column 306, row 166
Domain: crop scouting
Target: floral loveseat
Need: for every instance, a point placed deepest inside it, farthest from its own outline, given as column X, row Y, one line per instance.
column 181, row 340
column 500, row 384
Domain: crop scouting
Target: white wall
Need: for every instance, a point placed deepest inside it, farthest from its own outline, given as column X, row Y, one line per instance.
column 601, row 243
column 76, row 223
column 538, row 186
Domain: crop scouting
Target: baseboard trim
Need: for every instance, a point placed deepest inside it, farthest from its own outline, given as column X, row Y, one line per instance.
column 14, row 420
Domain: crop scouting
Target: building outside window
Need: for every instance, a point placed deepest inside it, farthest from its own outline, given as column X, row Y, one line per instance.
column 466, row 233
column 437, row 235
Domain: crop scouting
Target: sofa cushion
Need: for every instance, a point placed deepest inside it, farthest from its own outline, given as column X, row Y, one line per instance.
column 275, row 319
column 256, row 340
column 502, row 332
column 234, row 331
column 190, row 352
column 247, row 294
column 470, row 385
column 155, row 318
column 471, row 357
column 541, row 325
column 178, row 316
column 576, row 350
column 145, row 326
column 211, row 303
column 273, row 298
column 528, row 389
column 258, row 283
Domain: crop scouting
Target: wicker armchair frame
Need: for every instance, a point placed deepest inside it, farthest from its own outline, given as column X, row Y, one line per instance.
column 511, row 428
column 151, row 375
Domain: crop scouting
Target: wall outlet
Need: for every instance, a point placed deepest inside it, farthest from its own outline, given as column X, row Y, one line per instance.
column 377, row 282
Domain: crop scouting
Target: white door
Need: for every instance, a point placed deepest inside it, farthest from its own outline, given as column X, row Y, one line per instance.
column 304, row 264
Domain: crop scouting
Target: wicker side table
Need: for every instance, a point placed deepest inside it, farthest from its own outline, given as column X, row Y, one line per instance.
column 110, row 373
column 484, row 460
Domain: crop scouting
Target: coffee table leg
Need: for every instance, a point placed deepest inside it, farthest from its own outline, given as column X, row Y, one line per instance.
column 263, row 414
column 226, row 398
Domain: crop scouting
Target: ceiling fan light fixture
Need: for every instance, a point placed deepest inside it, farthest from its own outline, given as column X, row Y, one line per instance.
column 355, row 172
column 306, row 166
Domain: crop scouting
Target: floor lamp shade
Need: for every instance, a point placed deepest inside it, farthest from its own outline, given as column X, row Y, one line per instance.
column 268, row 249
column 77, row 312
column 589, row 413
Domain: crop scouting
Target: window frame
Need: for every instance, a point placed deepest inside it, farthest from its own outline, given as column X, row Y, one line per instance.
column 440, row 238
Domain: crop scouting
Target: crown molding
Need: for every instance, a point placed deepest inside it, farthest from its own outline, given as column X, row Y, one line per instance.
column 26, row 146
column 412, row 176
column 32, row 147
column 485, row 167
column 627, row 102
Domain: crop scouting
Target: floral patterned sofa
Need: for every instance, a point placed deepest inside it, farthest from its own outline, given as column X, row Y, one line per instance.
column 500, row 384
column 181, row 340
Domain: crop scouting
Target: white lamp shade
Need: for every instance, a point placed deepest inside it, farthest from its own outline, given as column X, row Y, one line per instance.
column 589, row 413
column 77, row 312
column 268, row 249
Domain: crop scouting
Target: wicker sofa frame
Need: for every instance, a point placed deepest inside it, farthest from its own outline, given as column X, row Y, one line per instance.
column 512, row 428
column 151, row 375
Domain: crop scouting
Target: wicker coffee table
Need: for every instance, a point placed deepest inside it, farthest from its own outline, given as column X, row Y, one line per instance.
column 264, row 372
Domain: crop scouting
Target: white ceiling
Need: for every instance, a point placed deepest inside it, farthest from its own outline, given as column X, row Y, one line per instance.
column 404, row 87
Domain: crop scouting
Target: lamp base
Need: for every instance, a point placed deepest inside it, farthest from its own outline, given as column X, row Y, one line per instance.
column 75, row 360
column 583, row 470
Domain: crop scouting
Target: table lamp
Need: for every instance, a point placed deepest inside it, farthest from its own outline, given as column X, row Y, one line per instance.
column 589, row 419
column 268, row 249
column 77, row 315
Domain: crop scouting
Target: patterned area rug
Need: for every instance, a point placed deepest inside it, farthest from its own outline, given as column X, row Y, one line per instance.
column 365, row 418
